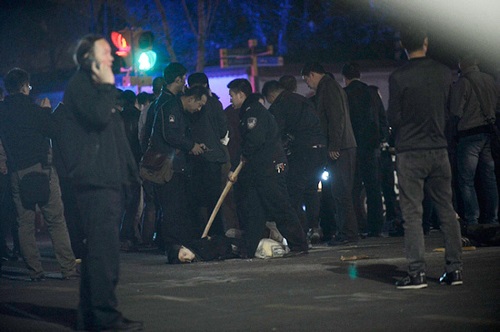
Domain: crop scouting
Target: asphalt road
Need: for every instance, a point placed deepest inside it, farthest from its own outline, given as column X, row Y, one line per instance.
column 314, row 292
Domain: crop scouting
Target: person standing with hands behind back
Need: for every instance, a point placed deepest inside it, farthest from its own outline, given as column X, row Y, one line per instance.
column 101, row 165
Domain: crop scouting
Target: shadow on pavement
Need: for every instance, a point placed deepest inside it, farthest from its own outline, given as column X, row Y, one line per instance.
column 60, row 316
column 384, row 273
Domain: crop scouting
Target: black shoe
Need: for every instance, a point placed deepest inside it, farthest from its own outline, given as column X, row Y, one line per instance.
column 412, row 282
column 451, row 278
column 125, row 324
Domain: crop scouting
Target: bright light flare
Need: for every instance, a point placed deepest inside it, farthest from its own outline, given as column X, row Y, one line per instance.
column 325, row 176
column 468, row 25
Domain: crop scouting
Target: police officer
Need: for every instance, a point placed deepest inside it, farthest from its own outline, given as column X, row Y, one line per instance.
column 305, row 145
column 261, row 191
column 171, row 136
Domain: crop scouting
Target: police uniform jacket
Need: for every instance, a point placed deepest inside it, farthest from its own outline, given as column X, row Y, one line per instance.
column 261, row 143
column 171, row 133
column 298, row 121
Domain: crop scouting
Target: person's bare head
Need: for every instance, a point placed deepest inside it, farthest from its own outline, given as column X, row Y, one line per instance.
column 17, row 80
column 312, row 73
column 93, row 48
column 175, row 77
column 239, row 90
column 194, row 98
column 271, row 90
column 414, row 40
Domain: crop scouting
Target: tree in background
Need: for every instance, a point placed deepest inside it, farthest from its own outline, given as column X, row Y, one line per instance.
column 166, row 30
column 206, row 15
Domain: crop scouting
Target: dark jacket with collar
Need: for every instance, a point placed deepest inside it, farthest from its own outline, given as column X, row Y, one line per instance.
column 25, row 129
column 333, row 110
column 418, row 96
column 362, row 109
column 171, row 133
column 260, row 141
column 298, row 121
column 464, row 103
column 380, row 115
column 165, row 96
column 208, row 127
column 97, row 152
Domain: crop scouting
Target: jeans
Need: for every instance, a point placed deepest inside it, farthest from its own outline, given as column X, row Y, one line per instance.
column 429, row 172
column 474, row 160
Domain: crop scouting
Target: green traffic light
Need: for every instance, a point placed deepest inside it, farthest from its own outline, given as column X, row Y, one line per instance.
column 147, row 60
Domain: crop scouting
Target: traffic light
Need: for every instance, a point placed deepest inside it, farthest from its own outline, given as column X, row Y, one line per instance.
column 135, row 47
column 145, row 56
column 123, row 42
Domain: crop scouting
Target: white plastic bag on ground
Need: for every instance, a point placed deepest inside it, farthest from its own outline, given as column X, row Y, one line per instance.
column 269, row 248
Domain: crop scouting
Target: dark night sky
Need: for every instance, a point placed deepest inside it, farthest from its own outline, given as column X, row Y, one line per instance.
column 38, row 35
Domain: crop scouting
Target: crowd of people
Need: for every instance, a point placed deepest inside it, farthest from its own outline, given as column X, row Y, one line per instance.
column 92, row 147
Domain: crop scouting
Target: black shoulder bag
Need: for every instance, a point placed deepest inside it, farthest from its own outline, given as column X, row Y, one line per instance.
column 155, row 166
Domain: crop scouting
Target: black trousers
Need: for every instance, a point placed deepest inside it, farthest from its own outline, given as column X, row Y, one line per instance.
column 176, row 226
column 72, row 216
column 101, row 210
column 204, row 192
column 128, row 224
column 263, row 196
column 343, row 177
column 306, row 166
column 367, row 175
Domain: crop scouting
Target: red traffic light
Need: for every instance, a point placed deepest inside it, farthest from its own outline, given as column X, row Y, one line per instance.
column 121, row 43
